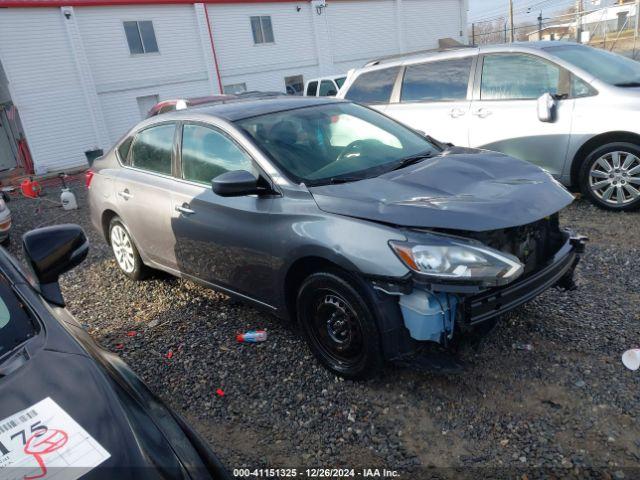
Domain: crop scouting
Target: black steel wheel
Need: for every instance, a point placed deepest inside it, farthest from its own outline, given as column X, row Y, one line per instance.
column 339, row 326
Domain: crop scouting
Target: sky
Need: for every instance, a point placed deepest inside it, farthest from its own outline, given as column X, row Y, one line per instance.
column 482, row 9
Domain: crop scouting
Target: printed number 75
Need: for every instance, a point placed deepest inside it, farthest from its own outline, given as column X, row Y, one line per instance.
column 36, row 429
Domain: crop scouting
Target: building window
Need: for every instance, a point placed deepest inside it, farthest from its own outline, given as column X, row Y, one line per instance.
column 294, row 85
column 234, row 88
column 146, row 103
column 141, row 37
column 262, row 30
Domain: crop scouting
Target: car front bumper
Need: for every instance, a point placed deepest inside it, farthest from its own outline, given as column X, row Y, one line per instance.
column 486, row 305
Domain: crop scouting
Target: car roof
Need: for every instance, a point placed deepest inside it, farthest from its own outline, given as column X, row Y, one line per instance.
column 464, row 50
column 238, row 109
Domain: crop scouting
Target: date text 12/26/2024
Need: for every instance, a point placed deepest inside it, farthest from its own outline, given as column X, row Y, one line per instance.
column 315, row 473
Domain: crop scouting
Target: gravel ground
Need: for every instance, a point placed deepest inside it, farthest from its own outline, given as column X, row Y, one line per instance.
column 565, row 407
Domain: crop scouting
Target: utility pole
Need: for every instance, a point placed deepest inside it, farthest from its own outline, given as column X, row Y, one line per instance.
column 505, row 31
column 540, row 25
column 473, row 33
column 579, row 21
column 637, row 30
column 513, row 29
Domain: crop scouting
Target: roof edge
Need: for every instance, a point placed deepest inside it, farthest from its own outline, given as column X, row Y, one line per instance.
column 112, row 3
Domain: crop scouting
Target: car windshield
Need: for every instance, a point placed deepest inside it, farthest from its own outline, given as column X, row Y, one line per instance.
column 16, row 323
column 606, row 66
column 335, row 142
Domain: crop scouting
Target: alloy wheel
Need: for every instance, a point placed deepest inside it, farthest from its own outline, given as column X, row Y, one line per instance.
column 614, row 177
column 123, row 248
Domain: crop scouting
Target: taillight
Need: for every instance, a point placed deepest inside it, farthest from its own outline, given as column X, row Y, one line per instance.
column 88, row 177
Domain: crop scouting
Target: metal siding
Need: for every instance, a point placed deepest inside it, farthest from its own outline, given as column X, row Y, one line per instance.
column 34, row 50
column 178, row 70
column 426, row 21
column 359, row 31
column 237, row 54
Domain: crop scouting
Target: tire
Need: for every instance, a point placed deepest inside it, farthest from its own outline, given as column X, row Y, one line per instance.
column 611, row 189
column 125, row 251
column 339, row 326
column 6, row 242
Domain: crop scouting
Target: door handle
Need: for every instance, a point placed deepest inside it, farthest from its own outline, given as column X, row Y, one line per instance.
column 482, row 113
column 184, row 209
column 456, row 113
column 124, row 194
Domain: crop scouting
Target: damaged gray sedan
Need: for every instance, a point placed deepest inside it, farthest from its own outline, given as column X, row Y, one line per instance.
column 375, row 239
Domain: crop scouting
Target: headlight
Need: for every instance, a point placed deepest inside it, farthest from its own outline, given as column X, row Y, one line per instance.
column 458, row 262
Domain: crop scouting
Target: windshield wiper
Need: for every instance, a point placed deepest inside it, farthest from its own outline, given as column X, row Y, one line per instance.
column 338, row 180
column 628, row 84
column 406, row 161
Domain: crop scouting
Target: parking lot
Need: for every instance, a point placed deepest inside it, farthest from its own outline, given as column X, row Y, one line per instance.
column 545, row 389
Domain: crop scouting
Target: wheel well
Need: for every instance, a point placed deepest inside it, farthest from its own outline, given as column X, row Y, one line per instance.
column 596, row 142
column 299, row 270
column 107, row 216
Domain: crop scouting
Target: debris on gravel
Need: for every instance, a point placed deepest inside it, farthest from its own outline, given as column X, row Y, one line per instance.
column 545, row 391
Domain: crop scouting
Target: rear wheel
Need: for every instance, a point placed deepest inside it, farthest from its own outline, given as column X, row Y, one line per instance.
column 339, row 326
column 125, row 251
column 610, row 176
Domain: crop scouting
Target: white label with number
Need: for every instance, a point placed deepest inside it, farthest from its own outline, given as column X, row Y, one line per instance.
column 43, row 441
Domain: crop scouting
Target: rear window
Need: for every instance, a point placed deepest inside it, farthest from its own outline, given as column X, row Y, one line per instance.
column 340, row 81
column 328, row 88
column 312, row 88
column 437, row 81
column 373, row 87
column 16, row 323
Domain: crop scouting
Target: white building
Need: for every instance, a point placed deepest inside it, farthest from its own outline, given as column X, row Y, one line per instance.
column 81, row 72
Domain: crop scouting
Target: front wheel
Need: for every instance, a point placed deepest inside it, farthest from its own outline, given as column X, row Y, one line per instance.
column 125, row 251
column 339, row 326
column 610, row 176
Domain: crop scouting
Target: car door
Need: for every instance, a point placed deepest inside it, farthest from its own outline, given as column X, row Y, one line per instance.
column 143, row 189
column 504, row 114
column 220, row 240
column 435, row 98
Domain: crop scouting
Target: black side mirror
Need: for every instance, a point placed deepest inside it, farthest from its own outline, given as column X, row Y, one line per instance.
column 52, row 251
column 237, row 183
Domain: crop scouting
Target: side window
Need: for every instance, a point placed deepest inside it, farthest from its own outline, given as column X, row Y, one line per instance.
column 580, row 88
column 152, row 148
column 373, row 87
column 437, row 81
column 123, row 149
column 517, row 76
column 207, row 153
column 328, row 89
column 262, row 29
column 312, row 89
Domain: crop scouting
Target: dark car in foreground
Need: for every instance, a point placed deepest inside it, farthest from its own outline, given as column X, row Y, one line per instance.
column 374, row 238
column 68, row 408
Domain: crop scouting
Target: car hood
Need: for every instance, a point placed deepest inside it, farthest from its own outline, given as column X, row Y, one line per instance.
column 463, row 189
column 123, row 428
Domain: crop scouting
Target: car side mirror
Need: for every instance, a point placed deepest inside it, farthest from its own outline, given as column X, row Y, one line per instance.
column 546, row 108
column 52, row 251
column 236, row 183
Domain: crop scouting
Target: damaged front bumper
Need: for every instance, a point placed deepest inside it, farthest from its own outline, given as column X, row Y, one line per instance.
column 437, row 312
